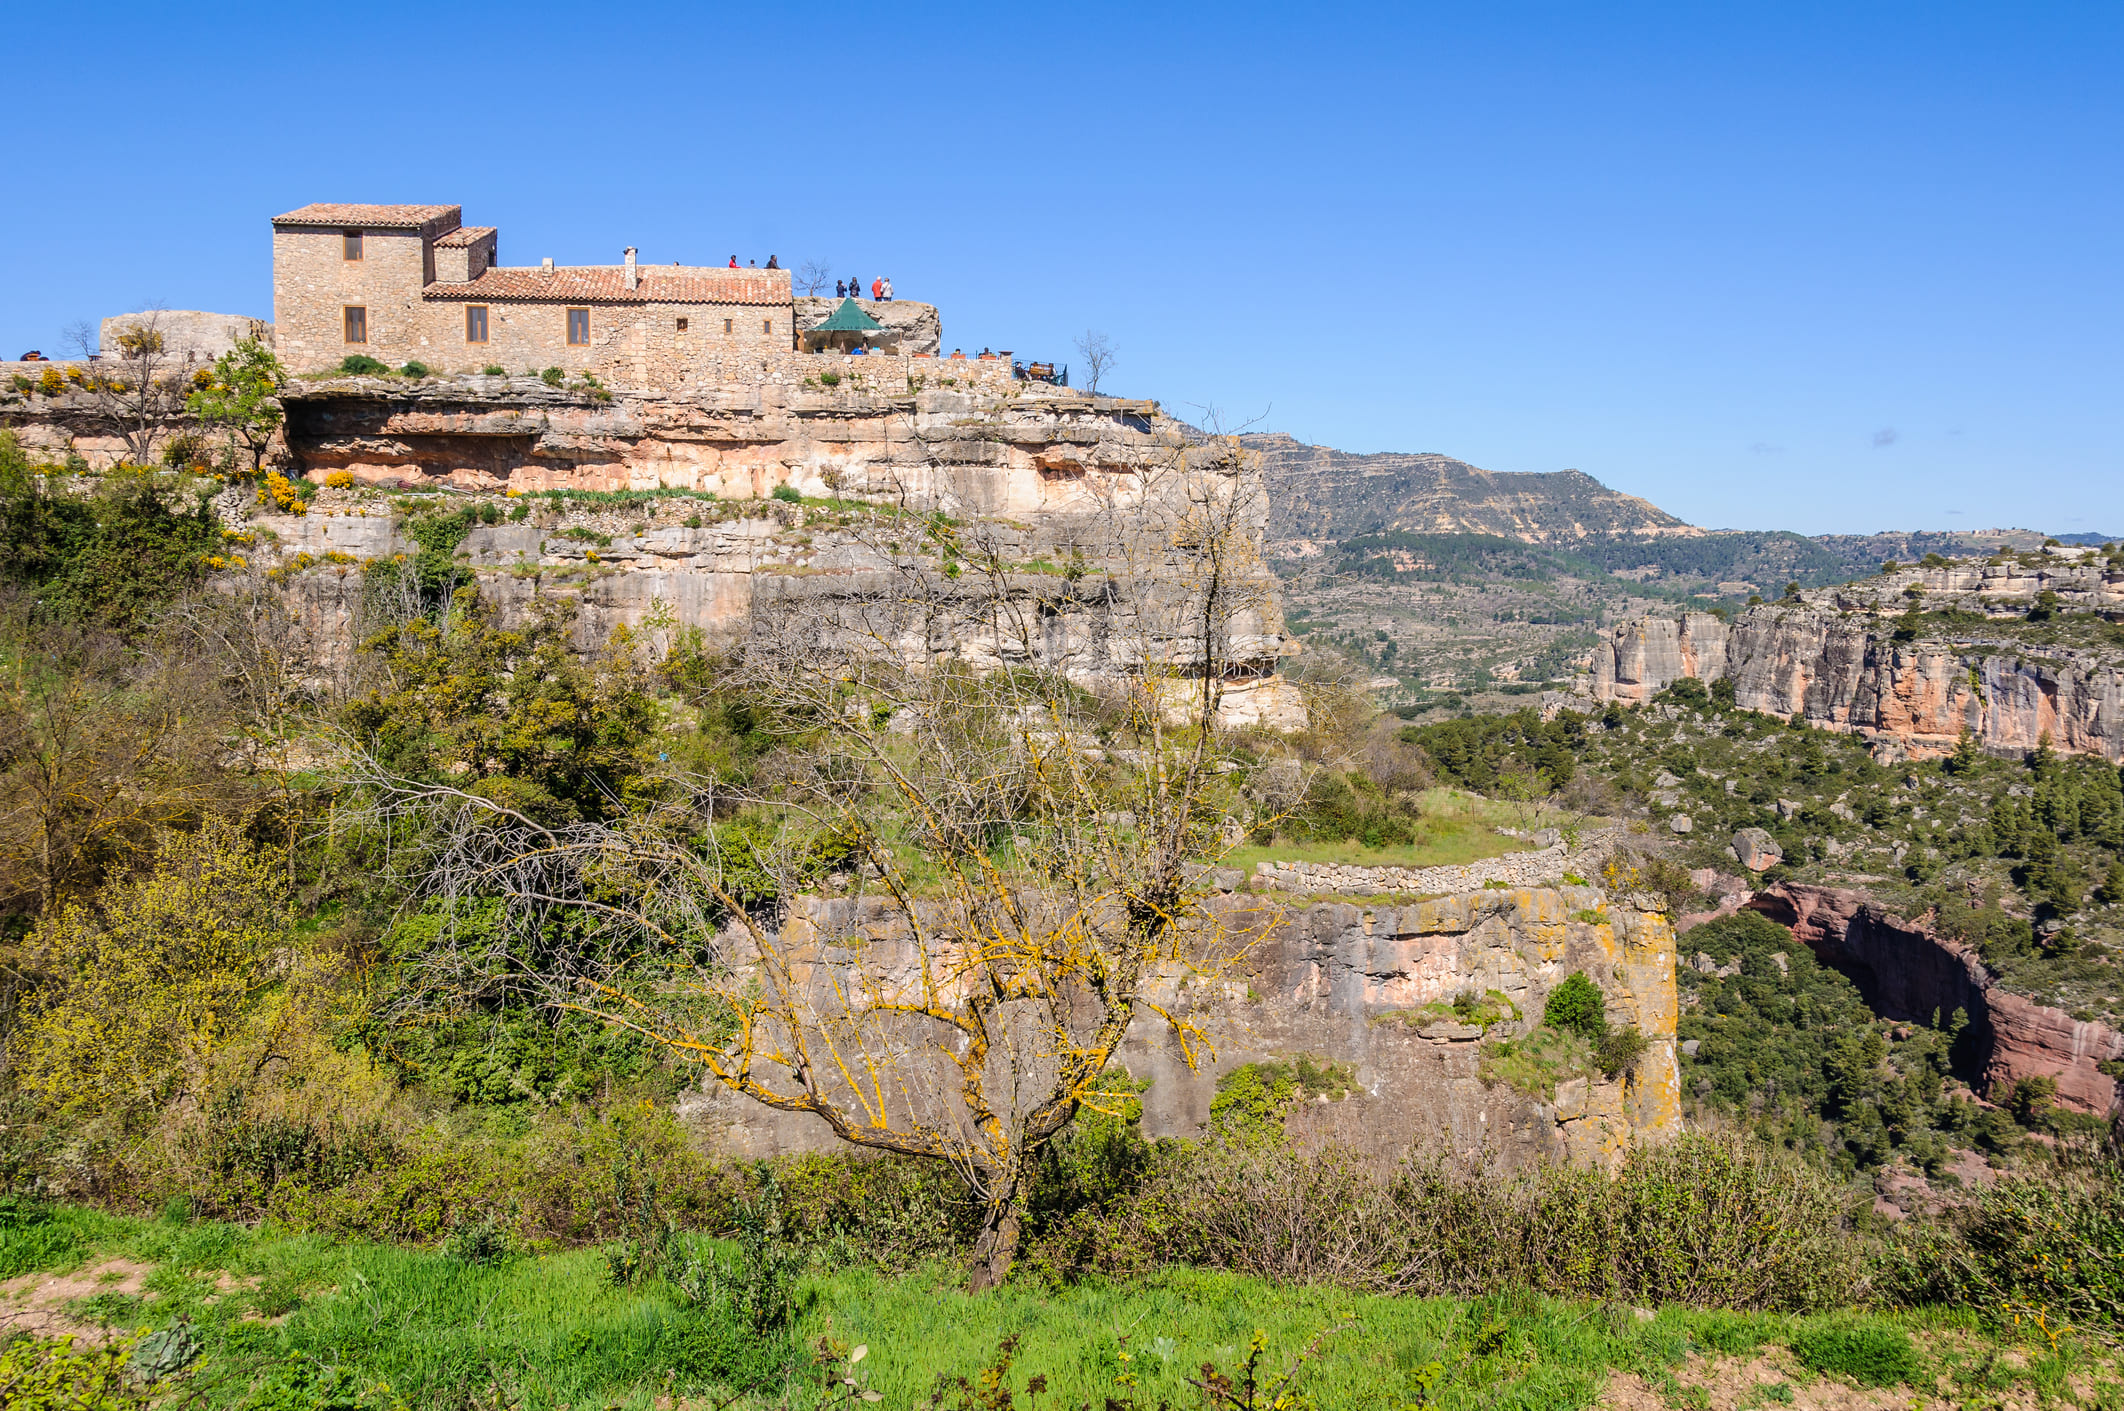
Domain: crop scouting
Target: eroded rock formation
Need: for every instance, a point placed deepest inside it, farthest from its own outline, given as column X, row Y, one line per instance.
column 1847, row 671
column 1906, row 971
column 1081, row 491
column 1371, row 987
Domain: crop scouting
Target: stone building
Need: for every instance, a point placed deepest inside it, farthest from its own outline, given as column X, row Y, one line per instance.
column 414, row 283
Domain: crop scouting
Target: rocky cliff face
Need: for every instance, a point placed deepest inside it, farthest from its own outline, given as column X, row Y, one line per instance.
column 1834, row 658
column 1907, row 972
column 1371, row 987
column 1074, row 488
column 1321, row 493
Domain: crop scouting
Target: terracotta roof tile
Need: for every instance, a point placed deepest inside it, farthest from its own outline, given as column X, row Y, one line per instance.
column 464, row 235
column 607, row 284
column 379, row 217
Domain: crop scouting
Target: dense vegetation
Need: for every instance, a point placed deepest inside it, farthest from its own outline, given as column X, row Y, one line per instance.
column 246, row 1038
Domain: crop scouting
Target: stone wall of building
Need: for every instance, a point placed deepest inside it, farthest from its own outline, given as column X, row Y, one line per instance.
column 314, row 284
column 186, row 333
column 415, row 286
column 632, row 346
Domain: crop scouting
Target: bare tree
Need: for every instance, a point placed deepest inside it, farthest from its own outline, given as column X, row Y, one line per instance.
column 139, row 386
column 1097, row 352
column 811, row 276
column 101, row 749
column 971, row 867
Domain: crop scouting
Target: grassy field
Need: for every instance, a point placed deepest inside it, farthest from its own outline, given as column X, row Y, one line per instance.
column 1456, row 828
column 293, row 1322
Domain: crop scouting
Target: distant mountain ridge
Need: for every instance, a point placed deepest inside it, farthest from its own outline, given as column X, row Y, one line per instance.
column 1317, row 492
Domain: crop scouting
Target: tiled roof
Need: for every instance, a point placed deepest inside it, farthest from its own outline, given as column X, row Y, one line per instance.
column 464, row 235
column 607, row 284
column 378, row 217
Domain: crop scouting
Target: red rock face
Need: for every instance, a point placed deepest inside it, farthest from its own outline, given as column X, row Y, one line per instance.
column 1907, row 972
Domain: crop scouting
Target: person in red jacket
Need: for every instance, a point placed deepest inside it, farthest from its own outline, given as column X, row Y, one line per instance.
column 733, row 261
column 877, row 288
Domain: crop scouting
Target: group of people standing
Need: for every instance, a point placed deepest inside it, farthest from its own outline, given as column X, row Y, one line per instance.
column 880, row 289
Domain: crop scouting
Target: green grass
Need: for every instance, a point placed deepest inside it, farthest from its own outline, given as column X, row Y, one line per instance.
column 553, row 1331
column 1456, row 828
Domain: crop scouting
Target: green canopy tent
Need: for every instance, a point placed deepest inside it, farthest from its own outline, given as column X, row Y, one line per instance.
column 846, row 327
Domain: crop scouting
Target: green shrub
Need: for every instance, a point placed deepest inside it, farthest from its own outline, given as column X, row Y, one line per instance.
column 1708, row 1221
column 1619, row 1049
column 1871, row 1354
column 553, row 377
column 1578, row 1006
column 493, row 370
column 110, row 556
column 2045, row 1244
column 788, row 494
column 414, row 369
column 52, row 1374
column 362, row 365
column 1253, row 1098
column 31, row 1239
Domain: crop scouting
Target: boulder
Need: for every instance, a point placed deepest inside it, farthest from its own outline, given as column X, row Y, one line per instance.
column 1681, row 823
column 1756, row 849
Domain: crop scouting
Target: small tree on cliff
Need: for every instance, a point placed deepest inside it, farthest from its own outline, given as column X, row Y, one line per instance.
column 138, row 385
column 1097, row 351
column 242, row 399
column 971, row 864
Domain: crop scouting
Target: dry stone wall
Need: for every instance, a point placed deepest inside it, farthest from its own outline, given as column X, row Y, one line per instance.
column 1540, row 867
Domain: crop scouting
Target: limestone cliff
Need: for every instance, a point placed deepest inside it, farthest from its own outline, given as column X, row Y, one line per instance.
column 1841, row 658
column 1371, row 987
column 1907, row 971
column 1053, row 480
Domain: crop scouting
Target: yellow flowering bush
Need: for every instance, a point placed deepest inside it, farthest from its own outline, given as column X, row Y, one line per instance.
column 151, row 981
column 280, row 491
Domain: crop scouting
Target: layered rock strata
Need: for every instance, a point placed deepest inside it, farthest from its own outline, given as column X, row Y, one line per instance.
column 1085, row 493
column 1845, row 671
column 1908, row 972
column 1372, row 988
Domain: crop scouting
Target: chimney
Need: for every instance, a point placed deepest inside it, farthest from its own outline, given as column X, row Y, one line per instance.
column 633, row 279
column 546, row 264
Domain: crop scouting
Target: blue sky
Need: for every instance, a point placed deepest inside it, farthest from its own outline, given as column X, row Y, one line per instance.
column 1824, row 267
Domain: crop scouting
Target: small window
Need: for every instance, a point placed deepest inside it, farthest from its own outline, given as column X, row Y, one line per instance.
column 727, row 325
column 682, row 325
column 351, row 248
column 766, row 325
column 475, row 323
column 578, row 328
column 357, row 324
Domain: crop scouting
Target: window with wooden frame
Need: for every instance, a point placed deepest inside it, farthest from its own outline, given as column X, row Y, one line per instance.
column 475, row 323
column 578, row 328
column 357, row 323
column 727, row 325
column 350, row 245
column 766, row 325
